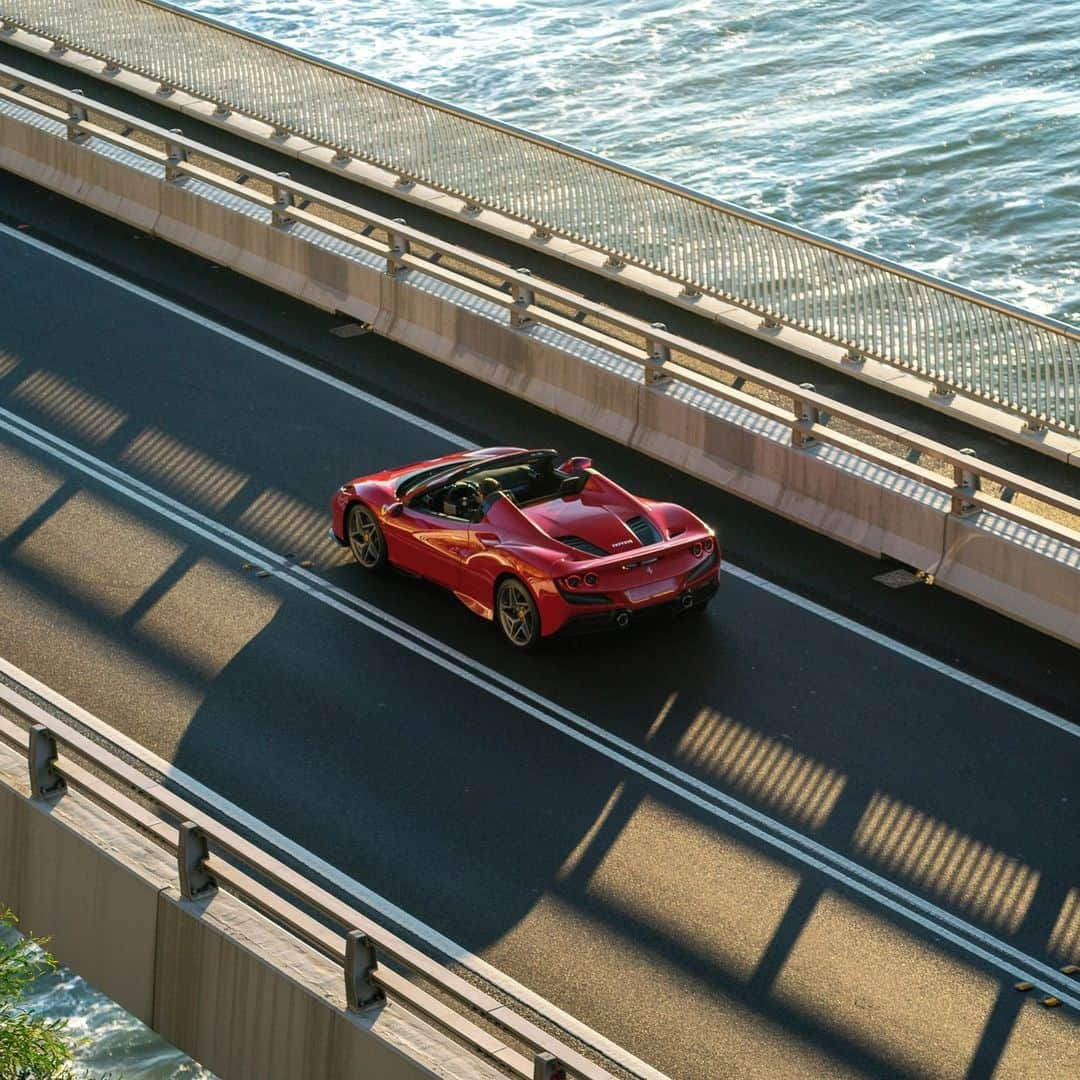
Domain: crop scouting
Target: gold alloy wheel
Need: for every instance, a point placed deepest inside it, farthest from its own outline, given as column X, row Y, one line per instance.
column 365, row 537
column 518, row 617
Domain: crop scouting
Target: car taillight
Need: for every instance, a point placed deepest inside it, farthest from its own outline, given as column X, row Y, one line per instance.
column 696, row 549
column 708, row 544
column 591, row 579
column 572, row 582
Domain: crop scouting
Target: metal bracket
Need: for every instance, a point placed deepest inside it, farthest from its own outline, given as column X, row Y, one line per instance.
column 222, row 111
column 399, row 246
column 540, row 233
column 613, row 262
column 769, row 323
column 192, row 850
column 966, row 482
column 342, row 157
column 283, row 199
column 111, row 67
column 548, row 1067
column 45, row 782
column 361, row 990
column 806, row 416
column 76, row 115
column 524, row 298
column 659, row 353
column 177, row 156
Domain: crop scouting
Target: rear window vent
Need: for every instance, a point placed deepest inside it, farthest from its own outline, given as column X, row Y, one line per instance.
column 644, row 530
column 581, row 545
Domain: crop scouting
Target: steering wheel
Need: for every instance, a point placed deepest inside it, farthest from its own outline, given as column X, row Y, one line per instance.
column 465, row 498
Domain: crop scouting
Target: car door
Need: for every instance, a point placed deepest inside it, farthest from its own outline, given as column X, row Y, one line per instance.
column 432, row 545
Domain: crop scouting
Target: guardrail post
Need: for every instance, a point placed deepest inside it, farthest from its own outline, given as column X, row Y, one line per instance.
column 524, row 297
column 806, row 416
column 177, row 157
column 45, row 782
column 361, row 990
column 967, row 482
column 192, row 849
column 76, row 115
column 399, row 246
column 283, row 199
column 548, row 1067
column 6, row 28
column 659, row 353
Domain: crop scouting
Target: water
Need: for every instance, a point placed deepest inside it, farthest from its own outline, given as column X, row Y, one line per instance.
column 109, row 1042
column 944, row 136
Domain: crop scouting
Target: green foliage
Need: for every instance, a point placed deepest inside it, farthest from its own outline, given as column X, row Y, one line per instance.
column 30, row 1048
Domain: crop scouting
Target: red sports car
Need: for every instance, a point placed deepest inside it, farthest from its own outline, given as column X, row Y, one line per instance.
column 537, row 546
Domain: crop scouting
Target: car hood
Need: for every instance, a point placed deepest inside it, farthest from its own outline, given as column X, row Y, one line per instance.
column 602, row 526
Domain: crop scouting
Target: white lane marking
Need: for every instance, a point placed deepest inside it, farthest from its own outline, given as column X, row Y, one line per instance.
column 746, row 818
column 457, row 441
column 349, row 886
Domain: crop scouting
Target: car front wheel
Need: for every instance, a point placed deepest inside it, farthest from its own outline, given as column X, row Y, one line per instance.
column 366, row 540
column 516, row 614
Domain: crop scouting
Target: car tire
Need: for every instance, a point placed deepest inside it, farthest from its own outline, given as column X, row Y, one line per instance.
column 516, row 614
column 366, row 540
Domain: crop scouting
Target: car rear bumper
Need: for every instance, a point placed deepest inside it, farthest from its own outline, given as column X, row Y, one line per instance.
column 585, row 622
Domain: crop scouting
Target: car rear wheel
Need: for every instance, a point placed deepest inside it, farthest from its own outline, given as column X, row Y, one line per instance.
column 366, row 540
column 516, row 614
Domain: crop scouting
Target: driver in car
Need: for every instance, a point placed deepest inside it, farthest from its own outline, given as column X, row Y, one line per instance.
column 465, row 499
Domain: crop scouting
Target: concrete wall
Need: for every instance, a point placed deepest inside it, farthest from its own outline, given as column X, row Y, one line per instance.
column 743, row 450
column 215, row 978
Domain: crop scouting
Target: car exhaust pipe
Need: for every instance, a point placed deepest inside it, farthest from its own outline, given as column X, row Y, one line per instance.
column 687, row 600
column 622, row 619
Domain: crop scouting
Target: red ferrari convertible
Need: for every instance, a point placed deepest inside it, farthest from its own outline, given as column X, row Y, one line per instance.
column 536, row 546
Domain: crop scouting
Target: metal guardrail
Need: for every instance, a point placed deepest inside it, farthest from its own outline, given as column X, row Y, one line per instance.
column 812, row 418
column 208, row 853
column 967, row 343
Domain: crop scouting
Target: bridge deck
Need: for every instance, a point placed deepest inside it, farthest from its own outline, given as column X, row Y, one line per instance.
column 631, row 903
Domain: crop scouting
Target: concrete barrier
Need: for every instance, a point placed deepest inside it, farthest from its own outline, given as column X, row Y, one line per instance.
column 227, row 986
column 746, row 450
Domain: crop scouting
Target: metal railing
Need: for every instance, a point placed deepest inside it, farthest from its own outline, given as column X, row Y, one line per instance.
column 210, row 854
column 525, row 302
column 966, row 342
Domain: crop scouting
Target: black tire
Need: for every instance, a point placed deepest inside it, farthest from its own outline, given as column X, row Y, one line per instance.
column 366, row 540
column 516, row 614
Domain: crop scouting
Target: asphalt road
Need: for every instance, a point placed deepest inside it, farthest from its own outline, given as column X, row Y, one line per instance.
column 642, row 828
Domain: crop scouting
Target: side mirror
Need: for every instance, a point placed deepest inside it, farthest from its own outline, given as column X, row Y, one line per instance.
column 575, row 464
column 394, row 509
